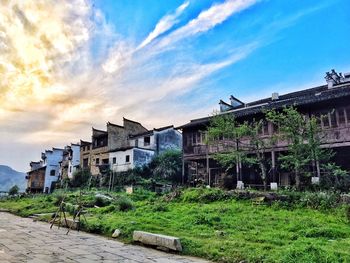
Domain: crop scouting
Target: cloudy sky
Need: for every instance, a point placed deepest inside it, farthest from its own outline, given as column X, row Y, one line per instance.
column 71, row 64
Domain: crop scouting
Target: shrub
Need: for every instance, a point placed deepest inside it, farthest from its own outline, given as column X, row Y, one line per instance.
column 58, row 197
column 124, row 204
column 102, row 201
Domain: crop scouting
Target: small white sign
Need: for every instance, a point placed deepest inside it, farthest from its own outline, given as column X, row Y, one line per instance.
column 315, row 180
column 274, row 186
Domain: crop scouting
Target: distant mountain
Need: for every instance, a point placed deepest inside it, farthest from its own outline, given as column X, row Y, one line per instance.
column 10, row 177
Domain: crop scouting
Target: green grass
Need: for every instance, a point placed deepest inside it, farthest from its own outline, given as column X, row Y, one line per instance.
column 227, row 230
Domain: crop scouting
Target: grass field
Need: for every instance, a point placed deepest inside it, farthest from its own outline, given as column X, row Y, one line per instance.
column 215, row 227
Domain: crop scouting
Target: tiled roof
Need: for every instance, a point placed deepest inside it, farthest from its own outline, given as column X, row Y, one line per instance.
column 299, row 98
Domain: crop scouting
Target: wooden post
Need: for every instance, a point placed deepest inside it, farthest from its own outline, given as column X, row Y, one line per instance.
column 273, row 158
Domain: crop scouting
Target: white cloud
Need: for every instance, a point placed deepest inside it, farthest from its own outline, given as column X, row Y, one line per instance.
column 164, row 24
column 207, row 20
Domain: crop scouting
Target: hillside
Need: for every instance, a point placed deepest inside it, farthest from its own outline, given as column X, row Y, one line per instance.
column 10, row 177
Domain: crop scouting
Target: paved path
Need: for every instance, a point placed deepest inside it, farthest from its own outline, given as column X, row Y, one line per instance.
column 22, row 240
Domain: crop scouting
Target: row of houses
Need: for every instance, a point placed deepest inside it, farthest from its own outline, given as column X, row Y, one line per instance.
column 118, row 148
column 122, row 147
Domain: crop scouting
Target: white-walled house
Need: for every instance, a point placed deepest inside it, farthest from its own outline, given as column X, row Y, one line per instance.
column 158, row 140
column 70, row 161
column 51, row 160
column 143, row 147
column 128, row 158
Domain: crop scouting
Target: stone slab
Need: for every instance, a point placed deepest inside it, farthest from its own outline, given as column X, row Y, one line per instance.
column 158, row 240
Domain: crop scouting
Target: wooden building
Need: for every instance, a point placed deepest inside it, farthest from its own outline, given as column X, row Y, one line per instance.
column 332, row 101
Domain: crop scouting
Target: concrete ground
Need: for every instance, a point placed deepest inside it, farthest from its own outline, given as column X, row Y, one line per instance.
column 22, row 240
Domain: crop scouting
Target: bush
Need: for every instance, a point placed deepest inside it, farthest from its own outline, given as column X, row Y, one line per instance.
column 102, row 201
column 81, row 178
column 124, row 204
column 14, row 190
column 58, row 197
column 204, row 195
column 320, row 200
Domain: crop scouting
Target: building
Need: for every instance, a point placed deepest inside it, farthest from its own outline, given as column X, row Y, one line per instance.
column 96, row 155
column 36, row 177
column 85, row 155
column 70, row 161
column 44, row 174
column 332, row 101
column 124, row 147
column 142, row 148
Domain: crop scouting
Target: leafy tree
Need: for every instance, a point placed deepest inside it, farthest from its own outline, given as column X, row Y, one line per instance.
column 81, row 178
column 334, row 177
column 14, row 190
column 167, row 166
column 224, row 130
column 304, row 139
column 258, row 146
column 244, row 141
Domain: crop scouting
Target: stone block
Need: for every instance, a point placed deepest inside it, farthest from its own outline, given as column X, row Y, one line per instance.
column 240, row 185
column 116, row 233
column 158, row 240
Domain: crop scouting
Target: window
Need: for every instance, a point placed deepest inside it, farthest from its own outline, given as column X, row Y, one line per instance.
column 333, row 119
column 137, row 143
column 341, row 116
column 85, row 162
column 70, row 169
column 265, row 128
column 97, row 161
column 347, row 111
column 114, row 160
column 325, row 120
column 147, row 141
column 88, row 147
column 52, row 173
column 127, row 159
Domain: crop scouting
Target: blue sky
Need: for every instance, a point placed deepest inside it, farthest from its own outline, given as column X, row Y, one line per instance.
column 298, row 42
column 67, row 66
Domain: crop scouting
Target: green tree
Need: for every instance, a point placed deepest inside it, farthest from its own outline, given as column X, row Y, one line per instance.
column 243, row 143
column 304, row 138
column 14, row 190
column 167, row 166
column 258, row 146
column 225, row 133
column 81, row 178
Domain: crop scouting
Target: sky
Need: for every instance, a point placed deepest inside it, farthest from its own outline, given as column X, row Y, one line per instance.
column 69, row 65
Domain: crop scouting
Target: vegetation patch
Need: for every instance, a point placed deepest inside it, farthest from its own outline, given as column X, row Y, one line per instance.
column 214, row 224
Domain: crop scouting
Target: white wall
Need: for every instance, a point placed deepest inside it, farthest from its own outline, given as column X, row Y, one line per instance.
column 52, row 163
column 121, row 165
column 72, row 166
